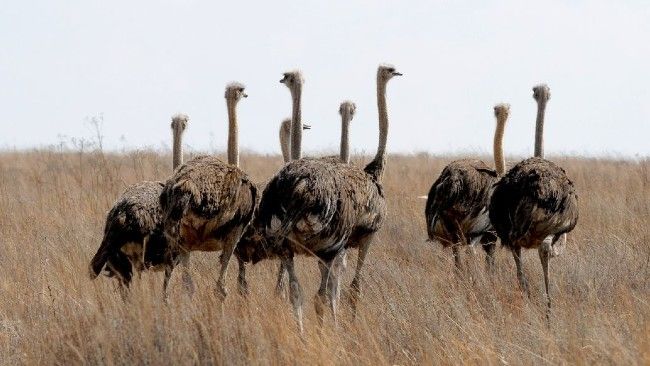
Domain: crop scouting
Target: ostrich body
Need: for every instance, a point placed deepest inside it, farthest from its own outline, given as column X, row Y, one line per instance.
column 457, row 206
column 207, row 203
column 320, row 207
column 535, row 205
column 249, row 247
column 347, row 109
column 135, row 222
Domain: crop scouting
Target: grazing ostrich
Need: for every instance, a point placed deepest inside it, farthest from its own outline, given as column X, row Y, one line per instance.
column 535, row 205
column 457, row 205
column 135, row 221
column 207, row 203
column 320, row 207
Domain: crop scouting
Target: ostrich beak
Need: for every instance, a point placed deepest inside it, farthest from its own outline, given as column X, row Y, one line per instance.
column 244, row 95
column 397, row 73
column 306, row 127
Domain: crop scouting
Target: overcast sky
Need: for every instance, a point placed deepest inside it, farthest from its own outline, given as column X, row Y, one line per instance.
column 139, row 62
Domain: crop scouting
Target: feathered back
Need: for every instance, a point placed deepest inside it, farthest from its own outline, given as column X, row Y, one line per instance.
column 533, row 200
column 133, row 216
column 319, row 203
column 461, row 193
column 207, row 188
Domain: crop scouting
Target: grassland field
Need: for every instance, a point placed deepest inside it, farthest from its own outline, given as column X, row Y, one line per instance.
column 415, row 308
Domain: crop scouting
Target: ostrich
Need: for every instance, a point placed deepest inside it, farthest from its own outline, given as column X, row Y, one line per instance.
column 320, row 207
column 457, row 206
column 135, row 221
column 251, row 247
column 535, row 205
column 247, row 248
column 347, row 109
column 207, row 203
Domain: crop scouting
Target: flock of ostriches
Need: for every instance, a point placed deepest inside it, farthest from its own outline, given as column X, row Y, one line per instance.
column 323, row 207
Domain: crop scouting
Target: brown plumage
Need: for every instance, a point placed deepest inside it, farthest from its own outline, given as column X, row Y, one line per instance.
column 134, row 223
column 457, row 205
column 207, row 204
column 251, row 244
column 133, row 220
column 321, row 208
column 534, row 206
column 456, row 209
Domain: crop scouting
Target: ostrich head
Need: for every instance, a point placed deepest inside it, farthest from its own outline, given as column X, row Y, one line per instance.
column 293, row 80
column 347, row 108
column 501, row 111
column 386, row 72
column 541, row 93
column 235, row 91
column 179, row 122
column 285, row 126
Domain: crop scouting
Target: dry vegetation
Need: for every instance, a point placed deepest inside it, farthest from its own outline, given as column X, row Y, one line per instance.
column 415, row 308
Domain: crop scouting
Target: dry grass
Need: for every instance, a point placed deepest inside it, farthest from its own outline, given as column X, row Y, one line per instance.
column 415, row 309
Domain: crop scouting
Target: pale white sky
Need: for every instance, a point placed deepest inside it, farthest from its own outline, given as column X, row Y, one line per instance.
column 138, row 62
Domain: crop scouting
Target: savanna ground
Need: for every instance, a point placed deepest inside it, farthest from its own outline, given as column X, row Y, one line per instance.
column 415, row 309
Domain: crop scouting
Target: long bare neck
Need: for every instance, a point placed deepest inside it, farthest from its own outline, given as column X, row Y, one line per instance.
column 177, row 149
column 539, row 129
column 285, row 135
column 377, row 163
column 499, row 160
column 296, row 124
column 233, row 132
column 345, row 139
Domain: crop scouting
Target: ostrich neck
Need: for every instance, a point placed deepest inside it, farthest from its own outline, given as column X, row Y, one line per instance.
column 345, row 144
column 296, row 124
column 539, row 129
column 499, row 160
column 177, row 149
column 383, row 126
column 233, row 138
column 285, row 135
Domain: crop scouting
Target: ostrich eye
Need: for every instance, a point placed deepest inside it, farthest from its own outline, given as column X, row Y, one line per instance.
column 391, row 69
column 241, row 90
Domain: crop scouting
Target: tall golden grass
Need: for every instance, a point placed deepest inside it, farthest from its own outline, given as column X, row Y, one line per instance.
column 415, row 309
